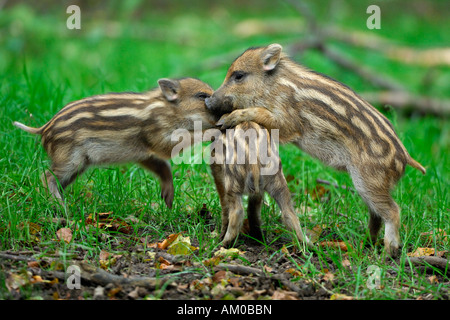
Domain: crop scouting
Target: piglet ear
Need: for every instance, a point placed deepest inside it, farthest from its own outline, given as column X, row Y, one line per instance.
column 170, row 88
column 271, row 56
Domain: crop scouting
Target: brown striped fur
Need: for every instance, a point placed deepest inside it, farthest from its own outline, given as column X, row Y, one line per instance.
column 120, row 128
column 236, row 177
column 324, row 118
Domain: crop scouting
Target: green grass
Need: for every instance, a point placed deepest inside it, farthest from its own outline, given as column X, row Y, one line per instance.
column 43, row 66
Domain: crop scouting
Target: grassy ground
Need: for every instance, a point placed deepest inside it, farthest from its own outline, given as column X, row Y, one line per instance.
column 44, row 65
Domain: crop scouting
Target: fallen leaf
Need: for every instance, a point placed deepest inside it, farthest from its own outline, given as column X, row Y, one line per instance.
column 166, row 242
column 421, row 252
column 16, row 280
column 336, row 244
column 228, row 253
column 346, row 263
column 440, row 236
column 433, row 279
column 105, row 220
column 284, row 295
column 294, row 272
column 284, row 250
column 36, row 279
column 134, row 294
column 162, row 263
column 338, row 296
column 33, row 228
column 33, row 264
column 328, row 276
column 104, row 255
column 214, row 261
column 218, row 289
column 181, row 246
column 64, row 234
column 315, row 233
column 219, row 276
column 107, row 259
column 317, row 192
column 267, row 269
column 112, row 292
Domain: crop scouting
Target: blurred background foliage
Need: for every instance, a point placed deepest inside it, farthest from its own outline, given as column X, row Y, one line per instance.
column 128, row 45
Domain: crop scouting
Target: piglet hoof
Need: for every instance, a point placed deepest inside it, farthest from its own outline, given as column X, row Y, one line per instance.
column 167, row 194
column 231, row 120
column 392, row 249
column 256, row 235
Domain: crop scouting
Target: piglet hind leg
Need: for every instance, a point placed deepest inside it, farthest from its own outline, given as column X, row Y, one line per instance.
column 235, row 220
column 382, row 208
column 162, row 169
column 59, row 177
column 282, row 196
column 217, row 172
column 388, row 211
column 51, row 184
column 254, row 216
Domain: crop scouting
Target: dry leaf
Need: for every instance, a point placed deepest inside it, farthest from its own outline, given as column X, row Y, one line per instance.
column 16, row 280
column 346, row 263
column 182, row 246
column 294, row 272
column 167, row 242
column 315, row 233
column 64, row 234
column 440, row 236
column 162, row 263
column 108, row 259
column 37, row 279
column 421, row 252
column 336, row 244
column 317, row 193
column 433, row 279
column 105, row 220
column 338, row 296
column 284, row 250
column 328, row 276
column 214, row 261
column 32, row 227
column 267, row 269
column 219, row 289
column 104, row 255
column 33, row 264
column 284, row 295
column 232, row 252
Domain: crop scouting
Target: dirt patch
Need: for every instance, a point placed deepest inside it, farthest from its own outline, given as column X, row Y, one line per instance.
column 132, row 270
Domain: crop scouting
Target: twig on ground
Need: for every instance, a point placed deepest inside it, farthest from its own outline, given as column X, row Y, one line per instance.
column 437, row 262
column 242, row 270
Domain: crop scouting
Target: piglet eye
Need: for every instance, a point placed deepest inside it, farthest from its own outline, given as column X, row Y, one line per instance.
column 239, row 76
column 202, row 96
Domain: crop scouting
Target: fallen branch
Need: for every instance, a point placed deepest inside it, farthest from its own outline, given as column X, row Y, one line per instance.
column 317, row 35
column 242, row 270
column 95, row 275
column 425, row 57
column 381, row 81
column 404, row 100
column 437, row 262
column 16, row 257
